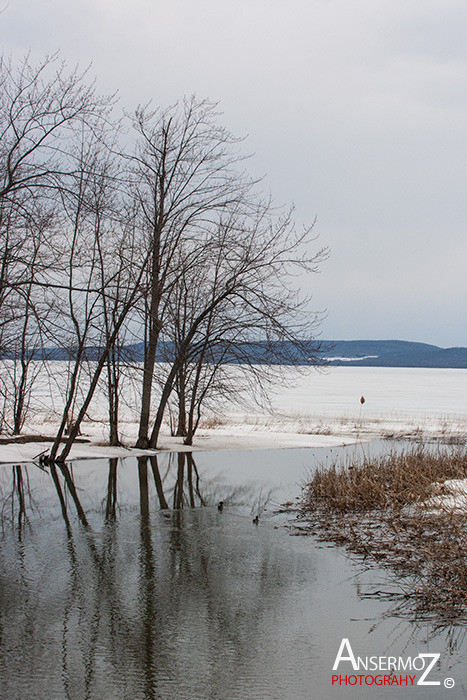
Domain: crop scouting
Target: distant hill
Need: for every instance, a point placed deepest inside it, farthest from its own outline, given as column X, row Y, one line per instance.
column 344, row 353
column 393, row 353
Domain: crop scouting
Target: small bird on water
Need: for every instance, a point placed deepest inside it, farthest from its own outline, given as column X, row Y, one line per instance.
column 220, row 506
column 256, row 519
column 362, row 400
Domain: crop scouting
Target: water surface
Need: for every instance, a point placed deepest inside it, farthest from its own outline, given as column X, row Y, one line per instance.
column 122, row 579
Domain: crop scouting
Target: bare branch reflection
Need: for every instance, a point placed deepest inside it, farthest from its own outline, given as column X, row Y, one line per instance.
column 108, row 592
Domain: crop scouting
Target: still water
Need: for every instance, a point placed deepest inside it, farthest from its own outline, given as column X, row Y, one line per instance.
column 121, row 579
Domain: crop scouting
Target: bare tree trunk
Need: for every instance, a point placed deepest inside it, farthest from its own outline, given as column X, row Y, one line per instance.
column 65, row 424
column 166, row 391
column 74, row 431
column 214, row 301
column 18, row 417
column 181, row 395
column 113, row 397
column 148, row 377
column 153, row 328
column 22, row 386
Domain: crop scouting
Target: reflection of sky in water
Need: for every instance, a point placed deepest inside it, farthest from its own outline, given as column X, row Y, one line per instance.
column 106, row 595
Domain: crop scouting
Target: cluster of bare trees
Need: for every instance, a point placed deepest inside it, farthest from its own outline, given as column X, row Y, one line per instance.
column 146, row 228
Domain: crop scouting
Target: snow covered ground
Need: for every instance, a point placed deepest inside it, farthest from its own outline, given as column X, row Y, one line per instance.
column 452, row 497
column 314, row 408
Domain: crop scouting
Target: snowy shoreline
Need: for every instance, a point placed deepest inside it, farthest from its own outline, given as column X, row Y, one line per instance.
column 252, row 432
column 323, row 410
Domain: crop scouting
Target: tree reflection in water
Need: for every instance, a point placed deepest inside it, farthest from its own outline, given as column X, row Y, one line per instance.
column 123, row 580
column 117, row 602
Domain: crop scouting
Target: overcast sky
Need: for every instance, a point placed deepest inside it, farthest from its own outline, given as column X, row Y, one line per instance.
column 355, row 110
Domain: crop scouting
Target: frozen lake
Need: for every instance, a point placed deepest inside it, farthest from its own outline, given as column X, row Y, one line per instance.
column 387, row 390
column 111, row 590
column 308, row 409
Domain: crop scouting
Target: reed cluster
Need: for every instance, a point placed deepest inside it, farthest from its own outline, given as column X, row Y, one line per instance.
column 391, row 511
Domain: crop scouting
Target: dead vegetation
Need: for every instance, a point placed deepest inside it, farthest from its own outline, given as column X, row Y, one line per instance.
column 212, row 422
column 381, row 511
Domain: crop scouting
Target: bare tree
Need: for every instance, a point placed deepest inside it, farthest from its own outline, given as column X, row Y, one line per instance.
column 164, row 240
column 41, row 107
column 185, row 170
column 103, row 280
column 27, row 235
column 241, row 288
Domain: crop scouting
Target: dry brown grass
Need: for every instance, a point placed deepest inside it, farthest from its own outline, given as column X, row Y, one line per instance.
column 212, row 422
column 389, row 482
column 378, row 509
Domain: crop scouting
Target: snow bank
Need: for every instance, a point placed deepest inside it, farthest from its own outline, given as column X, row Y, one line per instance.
column 310, row 409
column 452, row 496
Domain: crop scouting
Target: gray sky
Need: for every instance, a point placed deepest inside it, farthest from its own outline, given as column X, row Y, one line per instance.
column 355, row 110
